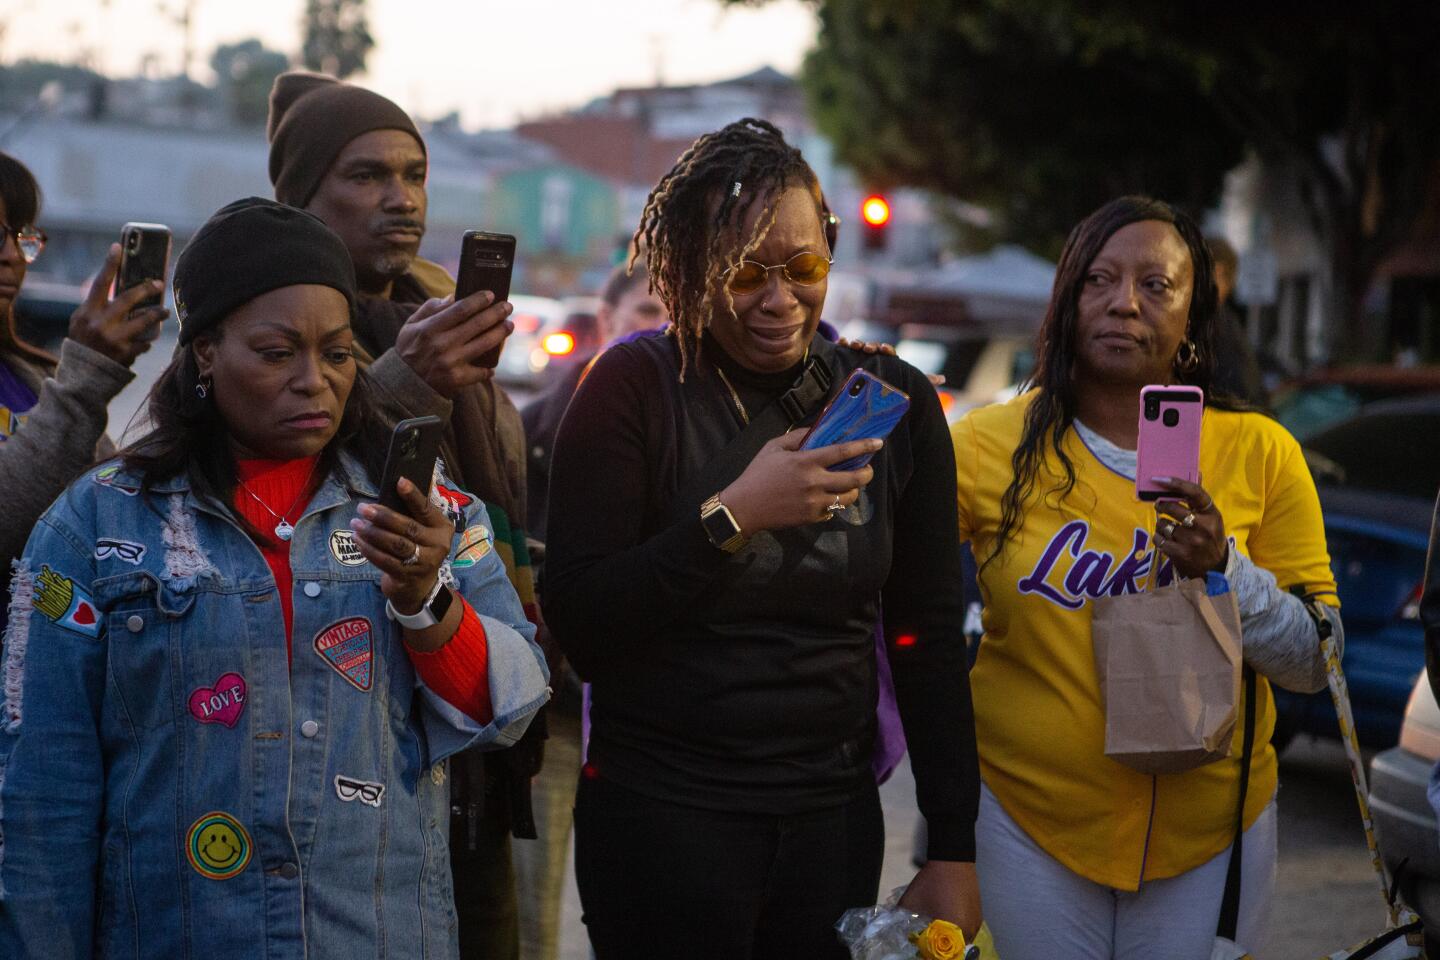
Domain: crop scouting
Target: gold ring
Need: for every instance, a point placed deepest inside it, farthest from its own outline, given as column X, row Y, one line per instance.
column 1170, row 532
column 1189, row 520
column 835, row 507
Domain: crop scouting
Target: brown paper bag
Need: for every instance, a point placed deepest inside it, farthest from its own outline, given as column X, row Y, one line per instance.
column 1169, row 664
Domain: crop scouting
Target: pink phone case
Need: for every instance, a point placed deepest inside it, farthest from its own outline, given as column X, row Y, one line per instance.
column 1169, row 438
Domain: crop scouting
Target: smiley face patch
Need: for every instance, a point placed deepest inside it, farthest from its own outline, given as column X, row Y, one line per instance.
column 218, row 847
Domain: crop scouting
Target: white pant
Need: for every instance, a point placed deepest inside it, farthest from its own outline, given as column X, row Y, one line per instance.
column 1039, row 909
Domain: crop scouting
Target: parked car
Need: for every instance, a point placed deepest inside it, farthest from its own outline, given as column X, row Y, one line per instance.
column 524, row 358
column 1405, row 822
column 1377, row 484
column 979, row 368
column 1327, row 396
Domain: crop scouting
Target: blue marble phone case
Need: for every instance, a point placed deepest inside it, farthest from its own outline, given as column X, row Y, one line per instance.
column 865, row 407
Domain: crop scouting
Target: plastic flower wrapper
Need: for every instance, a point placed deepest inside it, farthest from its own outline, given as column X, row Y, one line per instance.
column 886, row 932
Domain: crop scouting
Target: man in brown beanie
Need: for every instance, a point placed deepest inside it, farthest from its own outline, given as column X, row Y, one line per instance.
column 356, row 160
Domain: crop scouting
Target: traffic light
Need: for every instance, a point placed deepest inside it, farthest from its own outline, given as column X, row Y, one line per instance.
column 875, row 212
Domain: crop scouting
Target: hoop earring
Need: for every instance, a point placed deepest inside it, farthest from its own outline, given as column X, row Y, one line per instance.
column 1187, row 357
column 202, row 389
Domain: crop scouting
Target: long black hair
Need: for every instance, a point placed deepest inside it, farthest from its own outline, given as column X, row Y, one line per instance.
column 21, row 195
column 187, row 435
column 1052, row 409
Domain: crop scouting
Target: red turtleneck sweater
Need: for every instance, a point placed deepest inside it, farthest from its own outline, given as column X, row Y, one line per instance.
column 458, row 671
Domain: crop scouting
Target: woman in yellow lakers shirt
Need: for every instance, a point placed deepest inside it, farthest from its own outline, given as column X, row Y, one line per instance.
column 1080, row 857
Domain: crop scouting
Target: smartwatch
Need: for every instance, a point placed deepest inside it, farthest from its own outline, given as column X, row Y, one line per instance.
column 430, row 613
column 720, row 525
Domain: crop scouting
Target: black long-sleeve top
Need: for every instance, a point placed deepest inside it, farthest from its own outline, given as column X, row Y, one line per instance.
column 748, row 682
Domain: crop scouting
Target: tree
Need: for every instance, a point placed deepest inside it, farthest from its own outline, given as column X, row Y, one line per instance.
column 1042, row 109
column 337, row 36
column 245, row 71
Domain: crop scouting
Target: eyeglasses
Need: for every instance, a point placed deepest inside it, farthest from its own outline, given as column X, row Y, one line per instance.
column 805, row 269
column 28, row 240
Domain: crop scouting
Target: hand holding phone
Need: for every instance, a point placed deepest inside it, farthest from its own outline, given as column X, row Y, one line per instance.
column 865, row 408
column 487, row 262
column 414, row 447
column 1169, row 441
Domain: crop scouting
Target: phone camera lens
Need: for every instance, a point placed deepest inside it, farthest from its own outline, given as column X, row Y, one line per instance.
column 132, row 242
column 1171, row 418
column 856, row 387
column 1152, row 408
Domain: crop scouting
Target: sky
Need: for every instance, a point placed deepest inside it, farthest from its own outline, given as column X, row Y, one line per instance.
column 496, row 61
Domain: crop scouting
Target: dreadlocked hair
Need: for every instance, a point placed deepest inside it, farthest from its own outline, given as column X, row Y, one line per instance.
column 691, row 230
column 1052, row 409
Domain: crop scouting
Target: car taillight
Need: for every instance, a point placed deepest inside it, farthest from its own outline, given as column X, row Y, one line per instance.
column 1410, row 610
column 525, row 322
column 947, row 400
column 559, row 344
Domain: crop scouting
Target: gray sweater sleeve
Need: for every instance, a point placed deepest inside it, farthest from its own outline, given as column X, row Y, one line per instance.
column 58, row 441
column 1280, row 638
column 402, row 393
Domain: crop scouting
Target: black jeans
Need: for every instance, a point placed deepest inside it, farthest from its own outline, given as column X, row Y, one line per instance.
column 659, row 880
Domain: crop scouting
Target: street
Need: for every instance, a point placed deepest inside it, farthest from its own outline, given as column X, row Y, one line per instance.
column 1326, row 895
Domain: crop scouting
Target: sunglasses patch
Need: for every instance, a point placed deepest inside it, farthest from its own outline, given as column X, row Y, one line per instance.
column 366, row 791
column 127, row 550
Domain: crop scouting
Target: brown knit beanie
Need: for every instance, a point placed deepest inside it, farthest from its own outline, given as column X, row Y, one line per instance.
column 312, row 118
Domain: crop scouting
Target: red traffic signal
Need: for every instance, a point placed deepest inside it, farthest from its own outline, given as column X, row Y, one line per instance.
column 875, row 214
column 875, row 210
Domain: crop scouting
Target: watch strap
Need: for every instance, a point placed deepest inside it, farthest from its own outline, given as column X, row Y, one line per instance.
column 426, row 616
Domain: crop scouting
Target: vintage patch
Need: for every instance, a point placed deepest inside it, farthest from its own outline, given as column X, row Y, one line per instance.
column 348, row 646
column 65, row 604
column 107, row 477
column 474, row 544
column 366, row 791
column 128, row 550
column 218, row 847
column 344, row 548
column 221, row 703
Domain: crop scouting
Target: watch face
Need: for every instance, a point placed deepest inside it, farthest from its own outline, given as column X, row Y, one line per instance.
column 441, row 604
column 719, row 526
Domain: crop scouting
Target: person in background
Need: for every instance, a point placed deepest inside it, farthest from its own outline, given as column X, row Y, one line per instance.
column 1080, row 856
column 728, row 801
column 1237, row 372
column 1430, row 618
column 357, row 161
column 232, row 680
column 53, row 412
column 627, row 306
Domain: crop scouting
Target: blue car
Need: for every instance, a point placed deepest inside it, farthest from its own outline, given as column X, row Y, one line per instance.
column 1377, row 473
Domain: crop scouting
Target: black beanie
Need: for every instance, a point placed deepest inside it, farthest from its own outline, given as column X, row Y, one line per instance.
column 250, row 247
column 312, row 117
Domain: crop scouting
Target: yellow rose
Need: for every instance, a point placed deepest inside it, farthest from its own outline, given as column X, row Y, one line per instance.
column 941, row 940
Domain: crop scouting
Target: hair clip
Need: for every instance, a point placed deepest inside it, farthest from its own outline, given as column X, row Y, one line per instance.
column 735, row 190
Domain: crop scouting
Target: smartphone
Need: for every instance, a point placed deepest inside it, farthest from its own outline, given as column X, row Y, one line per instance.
column 486, row 263
column 866, row 407
column 144, row 255
column 414, row 445
column 1169, row 443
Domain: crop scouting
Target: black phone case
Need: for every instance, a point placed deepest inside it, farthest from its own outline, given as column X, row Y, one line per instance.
column 487, row 261
column 414, row 445
column 144, row 255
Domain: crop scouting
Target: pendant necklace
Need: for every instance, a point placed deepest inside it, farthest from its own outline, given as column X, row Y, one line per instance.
column 283, row 529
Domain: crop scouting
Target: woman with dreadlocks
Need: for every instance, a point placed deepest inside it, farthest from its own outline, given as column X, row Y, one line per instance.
column 719, row 588
column 1080, row 856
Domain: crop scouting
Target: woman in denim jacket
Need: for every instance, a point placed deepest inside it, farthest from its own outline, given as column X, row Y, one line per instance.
column 231, row 680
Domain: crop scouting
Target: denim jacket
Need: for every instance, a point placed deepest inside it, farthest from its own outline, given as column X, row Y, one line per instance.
column 169, row 787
